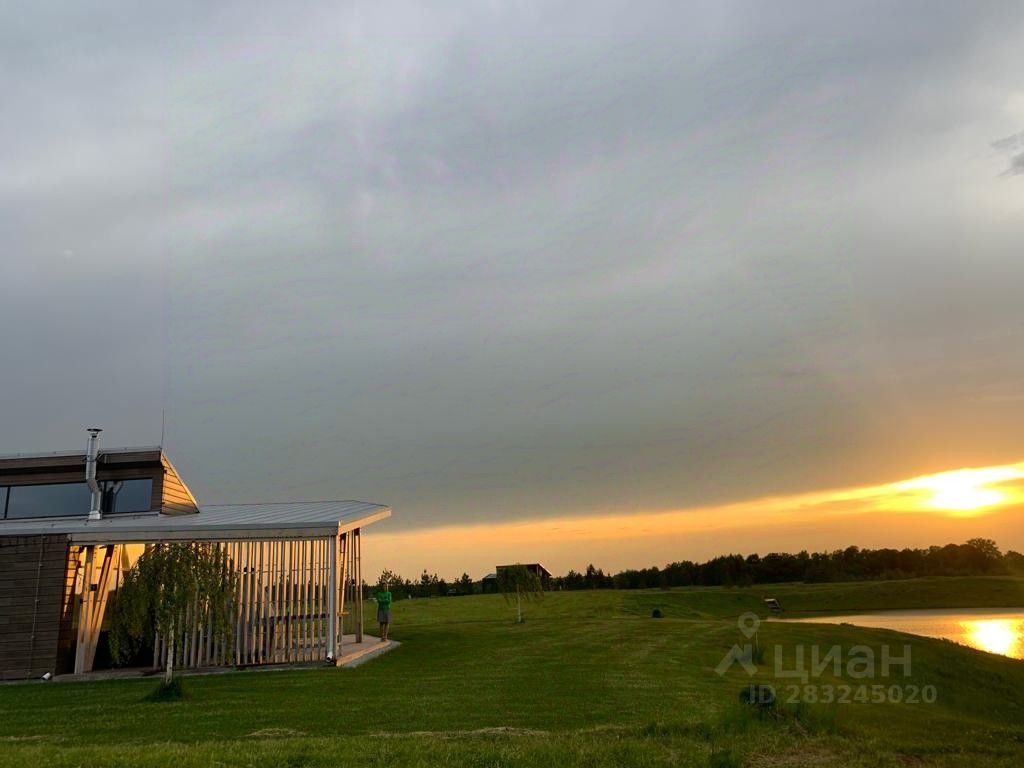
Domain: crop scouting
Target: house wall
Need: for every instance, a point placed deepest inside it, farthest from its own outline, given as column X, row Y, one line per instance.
column 33, row 572
column 175, row 497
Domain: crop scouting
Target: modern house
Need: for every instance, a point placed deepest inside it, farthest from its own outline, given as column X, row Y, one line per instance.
column 72, row 523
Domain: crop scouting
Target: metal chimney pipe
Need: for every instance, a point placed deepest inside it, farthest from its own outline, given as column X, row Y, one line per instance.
column 92, row 452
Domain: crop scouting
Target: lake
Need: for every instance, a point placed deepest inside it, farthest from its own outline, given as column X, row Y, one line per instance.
column 988, row 629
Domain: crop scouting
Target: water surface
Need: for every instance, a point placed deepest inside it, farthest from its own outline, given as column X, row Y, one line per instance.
column 988, row 629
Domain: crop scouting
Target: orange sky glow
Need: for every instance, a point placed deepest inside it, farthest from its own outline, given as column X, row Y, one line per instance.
column 920, row 511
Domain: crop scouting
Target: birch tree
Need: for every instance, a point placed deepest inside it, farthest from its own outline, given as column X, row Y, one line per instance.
column 170, row 590
column 521, row 585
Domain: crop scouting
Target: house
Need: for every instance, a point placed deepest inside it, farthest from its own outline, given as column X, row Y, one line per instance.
column 72, row 523
column 489, row 583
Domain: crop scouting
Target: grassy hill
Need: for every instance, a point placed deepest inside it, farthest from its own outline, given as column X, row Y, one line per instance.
column 590, row 680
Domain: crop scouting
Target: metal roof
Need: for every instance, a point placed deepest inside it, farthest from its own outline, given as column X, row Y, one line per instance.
column 73, row 454
column 220, row 522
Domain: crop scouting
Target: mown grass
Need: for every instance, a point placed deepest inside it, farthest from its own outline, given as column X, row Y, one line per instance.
column 589, row 679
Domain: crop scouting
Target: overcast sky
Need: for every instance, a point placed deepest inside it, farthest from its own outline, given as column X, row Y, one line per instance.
column 493, row 261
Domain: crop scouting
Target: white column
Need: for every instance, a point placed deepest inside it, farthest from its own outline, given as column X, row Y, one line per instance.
column 359, row 584
column 345, row 541
column 332, row 598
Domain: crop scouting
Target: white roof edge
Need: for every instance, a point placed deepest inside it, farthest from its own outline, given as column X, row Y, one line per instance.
column 382, row 514
column 293, row 503
column 236, row 532
column 312, row 519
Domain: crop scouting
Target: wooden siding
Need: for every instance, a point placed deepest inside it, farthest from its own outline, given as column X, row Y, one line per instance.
column 176, row 498
column 33, row 572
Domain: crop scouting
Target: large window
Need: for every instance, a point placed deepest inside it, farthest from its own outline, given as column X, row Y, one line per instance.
column 20, row 502
column 59, row 500
column 121, row 496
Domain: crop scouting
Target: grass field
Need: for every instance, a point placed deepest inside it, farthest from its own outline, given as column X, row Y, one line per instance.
column 588, row 680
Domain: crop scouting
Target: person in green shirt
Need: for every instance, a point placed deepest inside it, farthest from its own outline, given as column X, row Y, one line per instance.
column 384, row 611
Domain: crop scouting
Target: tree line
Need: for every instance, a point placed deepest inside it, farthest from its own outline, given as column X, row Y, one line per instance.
column 976, row 557
column 428, row 585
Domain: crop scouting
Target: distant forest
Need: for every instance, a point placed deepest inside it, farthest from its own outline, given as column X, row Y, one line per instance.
column 976, row 557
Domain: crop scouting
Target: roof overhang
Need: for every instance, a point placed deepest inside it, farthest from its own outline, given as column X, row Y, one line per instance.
column 239, row 522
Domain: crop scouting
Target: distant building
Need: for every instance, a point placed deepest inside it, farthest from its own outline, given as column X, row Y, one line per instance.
column 489, row 583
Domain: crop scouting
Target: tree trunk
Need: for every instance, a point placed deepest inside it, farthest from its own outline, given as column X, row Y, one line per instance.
column 169, row 666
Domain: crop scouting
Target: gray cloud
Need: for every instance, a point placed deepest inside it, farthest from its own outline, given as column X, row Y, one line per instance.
column 1012, row 145
column 495, row 260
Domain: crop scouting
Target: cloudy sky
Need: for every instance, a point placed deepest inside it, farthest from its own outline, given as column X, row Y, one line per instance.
column 501, row 262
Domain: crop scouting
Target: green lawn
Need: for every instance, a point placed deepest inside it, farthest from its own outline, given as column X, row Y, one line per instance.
column 589, row 680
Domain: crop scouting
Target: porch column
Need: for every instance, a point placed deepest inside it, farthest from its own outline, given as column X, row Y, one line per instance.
column 359, row 584
column 99, row 602
column 84, row 612
column 342, row 589
column 332, row 598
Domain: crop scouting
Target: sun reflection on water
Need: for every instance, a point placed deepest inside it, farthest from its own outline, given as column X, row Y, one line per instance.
column 1002, row 636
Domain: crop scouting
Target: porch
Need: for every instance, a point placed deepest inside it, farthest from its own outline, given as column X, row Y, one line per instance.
column 296, row 573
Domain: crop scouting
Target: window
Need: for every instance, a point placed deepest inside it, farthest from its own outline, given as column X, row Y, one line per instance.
column 121, row 496
column 60, row 500
column 20, row 502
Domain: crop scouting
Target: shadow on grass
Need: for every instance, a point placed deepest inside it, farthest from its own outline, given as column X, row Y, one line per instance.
column 165, row 692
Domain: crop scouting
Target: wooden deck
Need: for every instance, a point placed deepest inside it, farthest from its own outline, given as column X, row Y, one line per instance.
column 352, row 655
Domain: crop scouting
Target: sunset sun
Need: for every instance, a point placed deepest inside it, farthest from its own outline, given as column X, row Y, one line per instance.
column 962, row 490
column 964, row 497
